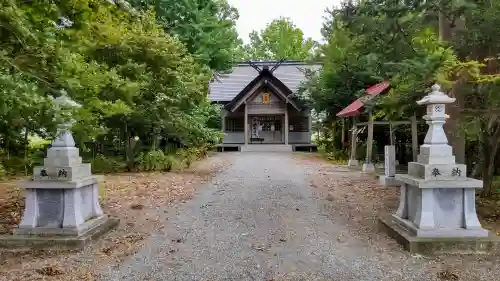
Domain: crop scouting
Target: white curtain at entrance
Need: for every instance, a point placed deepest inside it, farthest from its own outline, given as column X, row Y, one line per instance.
column 256, row 127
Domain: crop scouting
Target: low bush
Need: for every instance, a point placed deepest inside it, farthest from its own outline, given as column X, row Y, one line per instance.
column 155, row 161
column 3, row 172
column 106, row 165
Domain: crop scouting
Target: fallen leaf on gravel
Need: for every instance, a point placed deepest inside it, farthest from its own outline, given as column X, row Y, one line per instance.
column 107, row 250
column 137, row 207
column 330, row 197
column 49, row 271
column 446, row 275
column 133, row 237
column 341, row 238
column 419, row 256
column 261, row 248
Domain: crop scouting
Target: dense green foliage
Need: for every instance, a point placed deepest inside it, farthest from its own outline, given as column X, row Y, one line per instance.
column 131, row 77
column 206, row 27
column 371, row 41
column 281, row 39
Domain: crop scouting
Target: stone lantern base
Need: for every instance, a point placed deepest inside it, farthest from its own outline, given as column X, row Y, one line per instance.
column 388, row 181
column 438, row 245
column 353, row 163
column 57, row 239
column 62, row 207
column 368, row 168
column 437, row 208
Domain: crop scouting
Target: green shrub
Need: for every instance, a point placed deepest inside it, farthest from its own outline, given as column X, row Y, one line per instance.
column 338, row 155
column 186, row 156
column 106, row 165
column 189, row 155
column 156, row 160
column 3, row 172
column 14, row 165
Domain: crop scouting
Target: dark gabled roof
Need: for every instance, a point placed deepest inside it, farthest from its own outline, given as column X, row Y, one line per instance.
column 227, row 86
column 269, row 79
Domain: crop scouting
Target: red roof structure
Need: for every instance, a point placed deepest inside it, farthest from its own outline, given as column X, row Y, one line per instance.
column 356, row 108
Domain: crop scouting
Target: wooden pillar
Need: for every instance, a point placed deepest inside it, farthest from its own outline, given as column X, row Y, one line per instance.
column 391, row 133
column 310, row 126
column 369, row 141
column 342, row 138
column 414, row 137
column 368, row 166
column 246, row 124
column 286, row 125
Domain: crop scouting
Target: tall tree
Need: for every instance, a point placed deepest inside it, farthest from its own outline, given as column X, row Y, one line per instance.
column 206, row 27
column 131, row 77
column 281, row 39
column 398, row 41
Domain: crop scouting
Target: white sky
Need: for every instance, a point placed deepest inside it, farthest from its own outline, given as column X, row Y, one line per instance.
column 306, row 14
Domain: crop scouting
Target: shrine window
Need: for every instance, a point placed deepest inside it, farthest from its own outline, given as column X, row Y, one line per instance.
column 299, row 124
column 234, row 124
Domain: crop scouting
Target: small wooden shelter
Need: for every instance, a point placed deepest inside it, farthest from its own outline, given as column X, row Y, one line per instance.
column 357, row 108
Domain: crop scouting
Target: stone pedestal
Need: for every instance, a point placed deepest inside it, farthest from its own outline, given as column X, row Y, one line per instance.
column 353, row 163
column 388, row 179
column 62, row 202
column 368, row 168
column 437, row 199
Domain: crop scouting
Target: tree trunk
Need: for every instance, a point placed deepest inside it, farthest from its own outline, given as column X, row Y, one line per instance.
column 26, row 148
column 7, row 146
column 490, row 150
column 452, row 126
column 129, row 157
column 488, row 175
column 334, row 135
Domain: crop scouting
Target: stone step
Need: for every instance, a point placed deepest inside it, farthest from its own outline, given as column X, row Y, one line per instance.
column 266, row 148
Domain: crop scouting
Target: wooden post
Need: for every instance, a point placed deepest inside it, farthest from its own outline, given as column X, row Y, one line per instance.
column 246, row 124
column 368, row 166
column 414, row 137
column 286, row 125
column 310, row 126
column 342, row 138
column 369, row 142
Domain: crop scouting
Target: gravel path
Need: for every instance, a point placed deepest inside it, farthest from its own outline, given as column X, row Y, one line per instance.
column 259, row 221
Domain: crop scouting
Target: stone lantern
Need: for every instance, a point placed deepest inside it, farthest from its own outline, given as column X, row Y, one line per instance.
column 62, row 200
column 437, row 200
